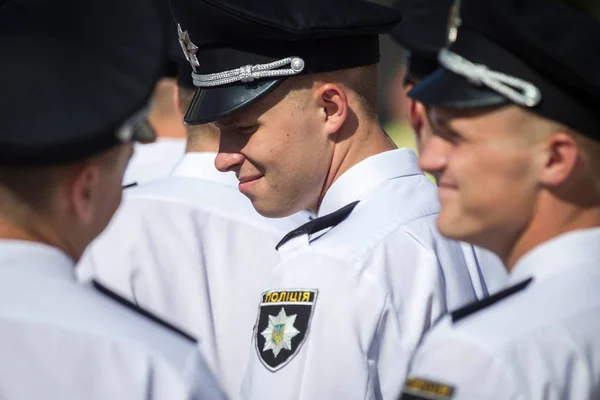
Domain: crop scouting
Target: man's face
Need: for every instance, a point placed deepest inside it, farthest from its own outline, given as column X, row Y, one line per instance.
column 486, row 171
column 279, row 151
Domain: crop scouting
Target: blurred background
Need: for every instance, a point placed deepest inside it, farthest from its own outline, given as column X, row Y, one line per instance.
column 392, row 97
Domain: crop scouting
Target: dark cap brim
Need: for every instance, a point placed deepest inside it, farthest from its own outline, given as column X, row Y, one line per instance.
column 212, row 104
column 446, row 89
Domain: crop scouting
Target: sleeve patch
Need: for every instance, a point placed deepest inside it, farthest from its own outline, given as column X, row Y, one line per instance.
column 282, row 325
column 416, row 389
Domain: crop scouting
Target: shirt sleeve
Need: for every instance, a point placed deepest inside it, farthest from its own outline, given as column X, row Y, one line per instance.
column 355, row 344
column 478, row 363
column 459, row 370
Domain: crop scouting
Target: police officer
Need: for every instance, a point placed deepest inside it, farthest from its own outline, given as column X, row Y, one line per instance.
column 190, row 246
column 422, row 33
column 74, row 77
column 292, row 87
column 517, row 152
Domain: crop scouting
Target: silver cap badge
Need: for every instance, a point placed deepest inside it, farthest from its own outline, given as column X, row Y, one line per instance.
column 454, row 22
column 189, row 48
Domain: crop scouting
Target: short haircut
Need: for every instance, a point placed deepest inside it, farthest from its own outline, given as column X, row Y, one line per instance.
column 411, row 78
column 591, row 152
column 362, row 81
column 34, row 186
column 31, row 186
column 537, row 127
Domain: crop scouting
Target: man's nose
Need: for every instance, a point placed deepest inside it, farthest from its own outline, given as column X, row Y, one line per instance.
column 226, row 162
column 433, row 157
column 229, row 156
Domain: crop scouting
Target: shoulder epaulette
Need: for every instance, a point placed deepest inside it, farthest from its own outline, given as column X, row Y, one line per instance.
column 318, row 224
column 124, row 302
column 488, row 301
column 129, row 185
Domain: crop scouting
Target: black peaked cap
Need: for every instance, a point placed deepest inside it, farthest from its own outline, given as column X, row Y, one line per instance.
column 72, row 73
column 422, row 32
column 229, row 34
column 544, row 42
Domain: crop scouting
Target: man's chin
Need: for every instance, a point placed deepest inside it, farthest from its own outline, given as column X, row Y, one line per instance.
column 451, row 226
column 463, row 230
column 270, row 210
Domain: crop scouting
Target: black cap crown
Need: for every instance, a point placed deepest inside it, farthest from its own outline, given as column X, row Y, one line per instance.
column 540, row 54
column 72, row 73
column 241, row 49
column 422, row 33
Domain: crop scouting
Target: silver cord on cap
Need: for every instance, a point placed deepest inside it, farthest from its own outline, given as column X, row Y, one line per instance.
column 515, row 89
column 249, row 73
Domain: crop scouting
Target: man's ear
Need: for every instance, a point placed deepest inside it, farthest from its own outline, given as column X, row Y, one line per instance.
column 83, row 191
column 332, row 101
column 417, row 116
column 561, row 154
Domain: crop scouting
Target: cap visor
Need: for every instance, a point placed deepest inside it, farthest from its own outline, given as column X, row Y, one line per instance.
column 446, row 89
column 211, row 104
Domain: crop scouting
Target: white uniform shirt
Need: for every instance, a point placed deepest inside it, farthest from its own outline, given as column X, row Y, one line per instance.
column 344, row 311
column 540, row 339
column 153, row 161
column 192, row 249
column 492, row 272
column 62, row 340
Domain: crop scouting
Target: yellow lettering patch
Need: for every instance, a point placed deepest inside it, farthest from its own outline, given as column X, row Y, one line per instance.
column 425, row 389
column 289, row 296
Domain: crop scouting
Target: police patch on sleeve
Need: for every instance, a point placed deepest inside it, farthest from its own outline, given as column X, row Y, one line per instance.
column 421, row 389
column 282, row 326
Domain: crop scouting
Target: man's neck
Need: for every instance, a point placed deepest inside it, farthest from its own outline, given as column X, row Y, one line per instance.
column 552, row 219
column 192, row 147
column 10, row 230
column 366, row 140
column 168, row 128
column 201, row 140
column 38, row 233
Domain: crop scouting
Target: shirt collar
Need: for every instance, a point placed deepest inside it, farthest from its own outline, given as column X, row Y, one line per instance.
column 34, row 261
column 567, row 252
column 362, row 178
column 201, row 165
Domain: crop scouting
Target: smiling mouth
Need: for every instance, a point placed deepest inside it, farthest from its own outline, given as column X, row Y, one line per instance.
column 443, row 182
column 446, row 185
column 249, row 178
